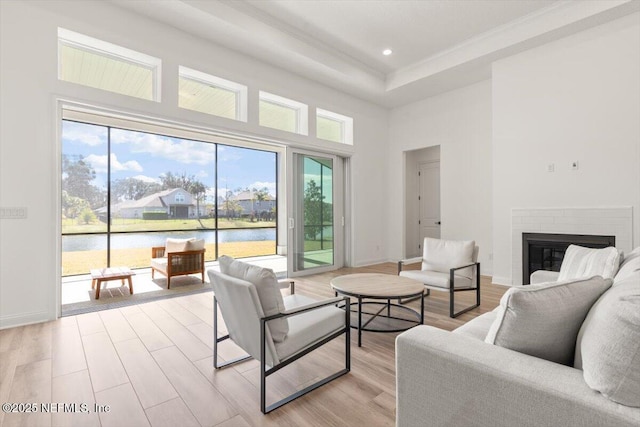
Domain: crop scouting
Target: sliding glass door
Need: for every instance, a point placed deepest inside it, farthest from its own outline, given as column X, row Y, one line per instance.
column 316, row 213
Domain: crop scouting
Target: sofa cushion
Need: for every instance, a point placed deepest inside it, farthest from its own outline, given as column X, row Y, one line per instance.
column 581, row 262
column 309, row 327
column 443, row 255
column 268, row 290
column 608, row 345
column 478, row 327
column 543, row 320
column 630, row 265
column 176, row 245
column 436, row 278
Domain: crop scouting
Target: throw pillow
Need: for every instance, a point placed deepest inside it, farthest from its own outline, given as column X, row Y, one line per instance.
column 608, row 346
column 268, row 290
column 587, row 262
column 443, row 255
column 543, row 320
column 176, row 245
column 631, row 264
column 195, row 245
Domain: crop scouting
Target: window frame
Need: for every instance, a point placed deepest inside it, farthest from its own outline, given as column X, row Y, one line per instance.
column 111, row 51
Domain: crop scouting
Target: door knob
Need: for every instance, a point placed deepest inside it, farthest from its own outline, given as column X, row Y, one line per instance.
column 438, row 222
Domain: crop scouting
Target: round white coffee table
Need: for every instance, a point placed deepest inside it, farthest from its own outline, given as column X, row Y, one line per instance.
column 381, row 287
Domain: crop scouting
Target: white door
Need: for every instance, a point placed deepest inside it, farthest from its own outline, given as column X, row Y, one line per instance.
column 429, row 200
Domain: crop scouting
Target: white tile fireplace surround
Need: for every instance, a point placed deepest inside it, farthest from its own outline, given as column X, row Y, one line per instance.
column 614, row 221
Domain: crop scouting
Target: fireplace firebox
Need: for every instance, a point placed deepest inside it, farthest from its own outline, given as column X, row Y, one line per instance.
column 544, row 251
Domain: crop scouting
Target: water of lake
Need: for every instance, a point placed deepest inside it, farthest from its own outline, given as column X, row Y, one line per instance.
column 142, row 240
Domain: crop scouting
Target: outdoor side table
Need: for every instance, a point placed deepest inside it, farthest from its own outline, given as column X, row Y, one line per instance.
column 112, row 273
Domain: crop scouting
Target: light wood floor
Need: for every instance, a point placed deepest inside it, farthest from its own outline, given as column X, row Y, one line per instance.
column 152, row 365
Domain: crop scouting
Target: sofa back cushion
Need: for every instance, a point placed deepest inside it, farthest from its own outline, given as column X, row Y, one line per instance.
column 176, row 245
column 266, row 285
column 608, row 345
column 579, row 262
column 630, row 264
column 443, row 255
column 543, row 320
column 195, row 245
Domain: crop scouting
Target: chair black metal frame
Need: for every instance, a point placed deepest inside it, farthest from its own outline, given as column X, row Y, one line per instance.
column 264, row 372
column 453, row 289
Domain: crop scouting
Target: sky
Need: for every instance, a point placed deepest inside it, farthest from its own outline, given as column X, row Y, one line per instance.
column 146, row 156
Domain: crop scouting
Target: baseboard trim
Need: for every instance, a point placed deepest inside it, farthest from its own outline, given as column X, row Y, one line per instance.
column 368, row 262
column 23, row 319
column 505, row 281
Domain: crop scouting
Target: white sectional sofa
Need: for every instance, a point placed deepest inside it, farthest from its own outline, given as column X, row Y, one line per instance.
column 457, row 379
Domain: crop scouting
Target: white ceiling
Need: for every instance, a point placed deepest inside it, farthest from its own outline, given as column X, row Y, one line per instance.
column 413, row 29
column 437, row 45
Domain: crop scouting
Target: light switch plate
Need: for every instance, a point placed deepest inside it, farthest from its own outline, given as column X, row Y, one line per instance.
column 13, row 213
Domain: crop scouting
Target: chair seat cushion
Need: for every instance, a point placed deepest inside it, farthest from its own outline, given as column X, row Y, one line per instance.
column 159, row 263
column 478, row 327
column 307, row 328
column 436, row 279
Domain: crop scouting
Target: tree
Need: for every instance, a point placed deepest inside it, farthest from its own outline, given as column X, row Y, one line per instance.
column 88, row 216
column 133, row 189
column 76, row 181
column 231, row 206
column 72, row 206
column 257, row 195
column 313, row 210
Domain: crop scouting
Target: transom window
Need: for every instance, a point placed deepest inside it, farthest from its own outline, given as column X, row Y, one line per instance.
column 95, row 63
column 334, row 127
column 282, row 113
column 212, row 95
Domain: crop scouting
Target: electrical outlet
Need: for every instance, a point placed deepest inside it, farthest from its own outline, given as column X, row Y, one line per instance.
column 575, row 165
column 551, row 167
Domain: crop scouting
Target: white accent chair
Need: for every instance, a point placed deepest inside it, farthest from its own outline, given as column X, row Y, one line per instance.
column 448, row 266
column 274, row 330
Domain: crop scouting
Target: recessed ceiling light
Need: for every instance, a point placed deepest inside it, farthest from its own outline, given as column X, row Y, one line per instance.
column 387, row 52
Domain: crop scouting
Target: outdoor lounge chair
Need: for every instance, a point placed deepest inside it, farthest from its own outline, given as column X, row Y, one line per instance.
column 179, row 257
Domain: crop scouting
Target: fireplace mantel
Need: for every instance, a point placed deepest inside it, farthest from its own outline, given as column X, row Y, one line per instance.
column 605, row 221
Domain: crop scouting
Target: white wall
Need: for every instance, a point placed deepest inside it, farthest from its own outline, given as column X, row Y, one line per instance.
column 28, row 129
column 574, row 99
column 460, row 123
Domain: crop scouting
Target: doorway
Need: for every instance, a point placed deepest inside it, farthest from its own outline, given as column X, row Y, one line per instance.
column 422, row 198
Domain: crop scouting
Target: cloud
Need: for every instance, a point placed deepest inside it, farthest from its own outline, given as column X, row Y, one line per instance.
column 147, row 179
column 99, row 164
column 271, row 186
column 178, row 150
column 84, row 134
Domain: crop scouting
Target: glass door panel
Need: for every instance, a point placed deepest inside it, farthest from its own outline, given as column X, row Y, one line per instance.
column 315, row 206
